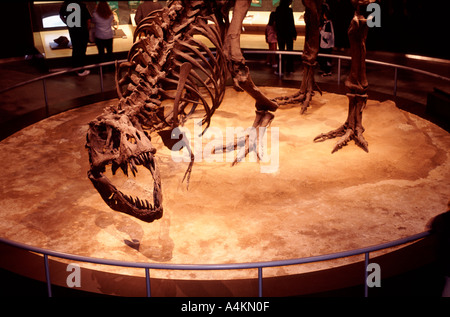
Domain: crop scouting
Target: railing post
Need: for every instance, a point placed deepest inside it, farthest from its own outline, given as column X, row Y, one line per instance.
column 260, row 282
column 339, row 71
column 147, row 281
column 101, row 78
column 47, row 276
column 366, row 264
column 279, row 65
column 395, row 81
column 47, row 112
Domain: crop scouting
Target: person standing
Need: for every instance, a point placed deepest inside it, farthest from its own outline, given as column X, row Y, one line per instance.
column 286, row 32
column 103, row 18
column 78, row 26
column 326, row 42
column 271, row 39
column 145, row 9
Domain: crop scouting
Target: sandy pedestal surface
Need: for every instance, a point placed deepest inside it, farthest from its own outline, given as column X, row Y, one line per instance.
column 301, row 201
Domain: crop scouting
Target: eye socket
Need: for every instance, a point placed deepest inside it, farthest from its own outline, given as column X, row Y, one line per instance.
column 109, row 137
column 115, row 139
column 101, row 132
column 131, row 139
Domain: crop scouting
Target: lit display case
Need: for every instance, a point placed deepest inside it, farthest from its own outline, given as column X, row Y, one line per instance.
column 48, row 26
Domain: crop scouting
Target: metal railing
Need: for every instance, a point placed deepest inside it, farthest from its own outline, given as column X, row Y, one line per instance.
column 339, row 58
column 280, row 54
column 255, row 265
column 59, row 73
column 209, row 267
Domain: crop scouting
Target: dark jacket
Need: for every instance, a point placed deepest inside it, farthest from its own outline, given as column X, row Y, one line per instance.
column 85, row 16
column 284, row 21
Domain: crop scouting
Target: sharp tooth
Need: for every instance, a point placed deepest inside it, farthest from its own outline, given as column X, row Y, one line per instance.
column 133, row 168
column 124, row 168
column 152, row 162
column 114, row 167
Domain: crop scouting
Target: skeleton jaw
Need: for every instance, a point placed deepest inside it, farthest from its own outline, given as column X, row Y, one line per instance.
column 116, row 200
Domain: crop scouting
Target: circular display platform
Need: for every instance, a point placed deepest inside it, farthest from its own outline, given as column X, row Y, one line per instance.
column 302, row 201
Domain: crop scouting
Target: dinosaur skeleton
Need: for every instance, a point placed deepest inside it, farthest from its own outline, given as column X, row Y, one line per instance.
column 170, row 73
column 166, row 56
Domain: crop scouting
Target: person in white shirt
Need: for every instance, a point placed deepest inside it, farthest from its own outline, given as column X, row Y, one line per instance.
column 326, row 42
column 103, row 18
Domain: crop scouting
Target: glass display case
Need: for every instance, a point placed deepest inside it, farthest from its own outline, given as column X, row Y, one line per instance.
column 48, row 26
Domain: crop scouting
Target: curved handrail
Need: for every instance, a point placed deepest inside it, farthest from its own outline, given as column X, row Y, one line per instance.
column 236, row 266
column 251, row 265
column 368, row 61
column 62, row 72
column 296, row 53
column 230, row 266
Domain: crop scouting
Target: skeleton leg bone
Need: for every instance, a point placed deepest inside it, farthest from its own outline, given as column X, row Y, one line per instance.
column 243, row 81
column 263, row 118
column 313, row 10
column 185, row 68
column 357, row 84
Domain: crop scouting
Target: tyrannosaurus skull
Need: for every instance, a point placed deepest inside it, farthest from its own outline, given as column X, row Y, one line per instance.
column 112, row 140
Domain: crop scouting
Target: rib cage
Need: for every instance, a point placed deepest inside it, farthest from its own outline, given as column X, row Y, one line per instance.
column 169, row 76
column 163, row 41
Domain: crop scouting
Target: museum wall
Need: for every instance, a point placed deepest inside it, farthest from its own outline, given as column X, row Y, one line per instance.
column 17, row 31
column 412, row 26
column 407, row 26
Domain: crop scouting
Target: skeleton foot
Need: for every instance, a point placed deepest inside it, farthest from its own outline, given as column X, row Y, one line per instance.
column 187, row 174
column 346, row 134
column 302, row 98
column 331, row 135
column 262, row 121
column 351, row 135
column 352, row 129
column 249, row 142
column 306, row 91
